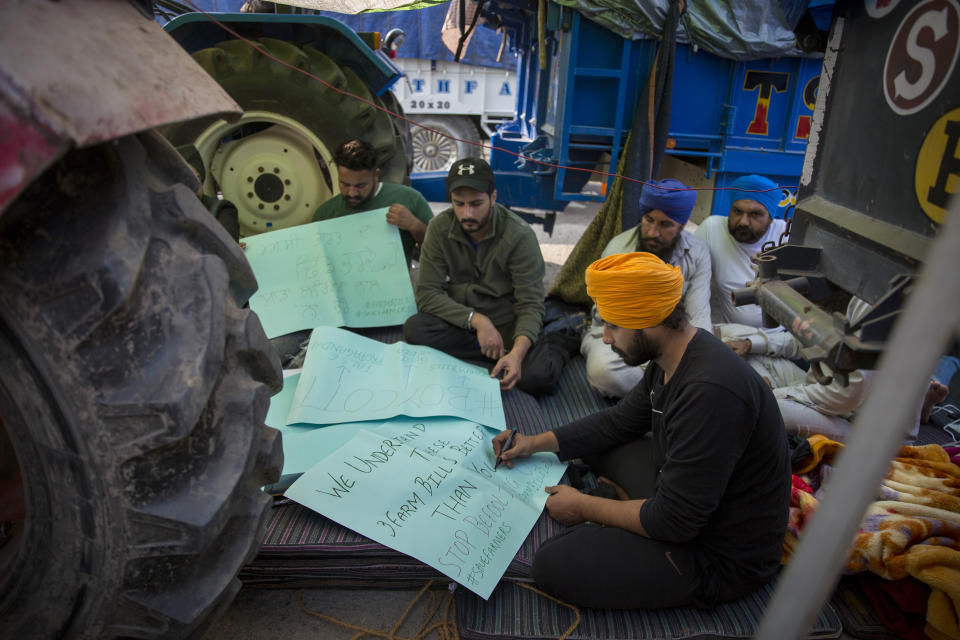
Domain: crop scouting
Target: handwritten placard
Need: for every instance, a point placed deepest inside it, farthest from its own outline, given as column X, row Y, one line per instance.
column 429, row 489
column 349, row 271
column 306, row 444
column 349, row 378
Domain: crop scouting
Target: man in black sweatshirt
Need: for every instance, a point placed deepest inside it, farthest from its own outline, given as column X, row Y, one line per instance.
column 701, row 503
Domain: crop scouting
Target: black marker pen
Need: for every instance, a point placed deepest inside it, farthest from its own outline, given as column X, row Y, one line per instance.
column 506, row 445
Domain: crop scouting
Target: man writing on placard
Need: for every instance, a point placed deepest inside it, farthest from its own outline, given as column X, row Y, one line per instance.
column 480, row 288
column 361, row 190
column 697, row 512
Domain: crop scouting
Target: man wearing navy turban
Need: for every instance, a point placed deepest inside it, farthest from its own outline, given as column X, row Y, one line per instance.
column 755, row 218
column 665, row 207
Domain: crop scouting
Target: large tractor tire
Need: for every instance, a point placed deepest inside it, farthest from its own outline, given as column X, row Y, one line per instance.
column 274, row 164
column 133, row 390
column 437, row 150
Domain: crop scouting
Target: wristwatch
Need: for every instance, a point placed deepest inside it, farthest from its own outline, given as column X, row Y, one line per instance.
column 469, row 318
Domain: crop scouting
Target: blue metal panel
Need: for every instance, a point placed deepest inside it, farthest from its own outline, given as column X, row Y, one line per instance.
column 430, row 184
column 802, row 111
column 763, row 92
column 596, row 79
column 743, row 161
column 699, row 80
column 564, row 86
column 744, row 117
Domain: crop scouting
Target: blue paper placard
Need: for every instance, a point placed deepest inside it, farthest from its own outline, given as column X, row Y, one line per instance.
column 429, row 489
column 349, row 378
column 349, row 271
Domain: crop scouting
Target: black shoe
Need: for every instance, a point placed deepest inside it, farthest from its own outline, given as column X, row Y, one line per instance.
column 604, row 490
column 560, row 316
column 565, row 340
column 578, row 474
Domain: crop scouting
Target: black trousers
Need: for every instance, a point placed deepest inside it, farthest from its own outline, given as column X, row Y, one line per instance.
column 539, row 371
column 608, row 567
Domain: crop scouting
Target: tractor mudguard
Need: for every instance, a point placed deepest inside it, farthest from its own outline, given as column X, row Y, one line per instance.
column 74, row 74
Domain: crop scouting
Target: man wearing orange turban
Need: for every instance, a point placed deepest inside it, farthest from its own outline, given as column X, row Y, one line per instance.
column 695, row 513
column 634, row 290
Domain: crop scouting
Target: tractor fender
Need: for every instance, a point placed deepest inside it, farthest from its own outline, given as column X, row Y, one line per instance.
column 77, row 73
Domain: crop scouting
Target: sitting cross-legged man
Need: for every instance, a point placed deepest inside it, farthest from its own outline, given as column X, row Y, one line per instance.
column 665, row 207
column 701, row 503
column 480, row 294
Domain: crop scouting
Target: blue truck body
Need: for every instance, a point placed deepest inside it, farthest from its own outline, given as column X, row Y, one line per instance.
column 740, row 116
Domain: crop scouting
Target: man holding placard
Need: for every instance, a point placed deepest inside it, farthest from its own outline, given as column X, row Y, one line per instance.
column 361, row 190
column 694, row 514
column 480, row 289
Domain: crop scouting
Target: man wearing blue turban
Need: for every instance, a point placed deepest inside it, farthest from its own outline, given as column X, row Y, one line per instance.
column 755, row 218
column 665, row 207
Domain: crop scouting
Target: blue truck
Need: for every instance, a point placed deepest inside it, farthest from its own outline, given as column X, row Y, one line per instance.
column 734, row 117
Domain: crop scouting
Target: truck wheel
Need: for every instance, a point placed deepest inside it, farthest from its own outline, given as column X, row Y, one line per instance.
column 274, row 163
column 435, row 152
column 132, row 397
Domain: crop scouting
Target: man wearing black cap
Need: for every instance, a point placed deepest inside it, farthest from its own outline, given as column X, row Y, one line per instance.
column 480, row 289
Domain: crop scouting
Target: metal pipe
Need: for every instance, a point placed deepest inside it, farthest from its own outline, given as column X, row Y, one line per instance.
column 919, row 338
column 766, row 268
column 814, row 328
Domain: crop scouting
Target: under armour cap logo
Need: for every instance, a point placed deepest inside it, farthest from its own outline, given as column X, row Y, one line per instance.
column 465, row 168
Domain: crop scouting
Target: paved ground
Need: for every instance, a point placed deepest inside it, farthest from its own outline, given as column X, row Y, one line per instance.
column 276, row 613
column 258, row 614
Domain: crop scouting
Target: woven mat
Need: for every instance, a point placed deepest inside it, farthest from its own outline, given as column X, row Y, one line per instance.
column 300, row 543
column 513, row 612
column 574, row 398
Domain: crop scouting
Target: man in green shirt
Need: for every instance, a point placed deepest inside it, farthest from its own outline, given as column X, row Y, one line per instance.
column 361, row 190
column 480, row 288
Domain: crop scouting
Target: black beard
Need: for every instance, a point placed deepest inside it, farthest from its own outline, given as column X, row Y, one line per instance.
column 664, row 253
column 642, row 350
column 744, row 235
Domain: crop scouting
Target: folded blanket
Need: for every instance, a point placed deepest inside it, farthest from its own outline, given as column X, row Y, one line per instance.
column 913, row 529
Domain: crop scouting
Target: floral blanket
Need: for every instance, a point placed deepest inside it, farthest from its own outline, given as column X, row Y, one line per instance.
column 912, row 529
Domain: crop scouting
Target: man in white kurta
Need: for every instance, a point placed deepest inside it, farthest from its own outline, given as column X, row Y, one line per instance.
column 734, row 239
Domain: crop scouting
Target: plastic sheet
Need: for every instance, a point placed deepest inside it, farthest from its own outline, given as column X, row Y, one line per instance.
column 421, row 26
column 737, row 29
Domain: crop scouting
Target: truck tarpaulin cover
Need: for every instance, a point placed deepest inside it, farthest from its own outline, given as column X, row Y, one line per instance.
column 737, row 29
column 422, row 27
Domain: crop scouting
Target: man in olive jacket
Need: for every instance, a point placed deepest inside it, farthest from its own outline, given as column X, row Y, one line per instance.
column 480, row 289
